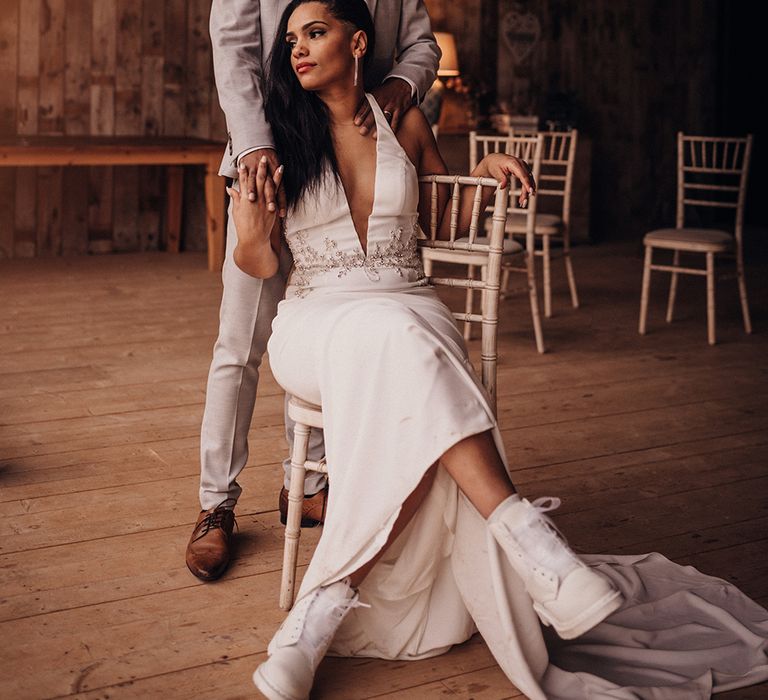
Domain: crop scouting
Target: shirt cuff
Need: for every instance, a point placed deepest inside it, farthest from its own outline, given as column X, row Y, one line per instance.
column 414, row 90
column 244, row 153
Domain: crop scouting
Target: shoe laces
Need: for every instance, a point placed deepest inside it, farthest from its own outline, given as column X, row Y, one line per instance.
column 214, row 520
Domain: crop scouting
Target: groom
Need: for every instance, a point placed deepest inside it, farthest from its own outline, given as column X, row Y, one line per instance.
column 401, row 71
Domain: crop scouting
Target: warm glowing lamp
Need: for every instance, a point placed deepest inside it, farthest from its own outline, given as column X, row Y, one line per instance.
column 449, row 62
column 433, row 104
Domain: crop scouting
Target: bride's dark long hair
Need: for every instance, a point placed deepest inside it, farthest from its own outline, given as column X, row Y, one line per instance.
column 299, row 118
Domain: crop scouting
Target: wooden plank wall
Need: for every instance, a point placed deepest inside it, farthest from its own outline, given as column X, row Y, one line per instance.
column 639, row 71
column 102, row 67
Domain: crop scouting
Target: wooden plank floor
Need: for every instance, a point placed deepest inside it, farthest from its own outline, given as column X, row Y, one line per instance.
column 654, row 443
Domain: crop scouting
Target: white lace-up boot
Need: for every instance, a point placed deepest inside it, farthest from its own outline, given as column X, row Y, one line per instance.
column 566, row 593
column 300, row 644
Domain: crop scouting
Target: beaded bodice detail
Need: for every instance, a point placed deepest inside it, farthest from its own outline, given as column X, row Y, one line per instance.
column 398, row 253
column 327, row 252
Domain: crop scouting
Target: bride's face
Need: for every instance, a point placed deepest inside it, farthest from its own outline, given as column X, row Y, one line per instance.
column 322, row 47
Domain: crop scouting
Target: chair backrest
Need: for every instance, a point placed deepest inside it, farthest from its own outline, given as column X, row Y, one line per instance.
column 527, row 148
column 557, row 165
column 558, row 156
column 712, row 172
column 492, row 247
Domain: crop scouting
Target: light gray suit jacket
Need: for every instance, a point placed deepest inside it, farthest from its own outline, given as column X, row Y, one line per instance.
column 242, row 34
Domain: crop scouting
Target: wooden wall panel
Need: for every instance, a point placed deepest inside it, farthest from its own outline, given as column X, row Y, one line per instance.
column 77, row 76
column 103, row 62
column 174, row 118
column 152, row 63
column 9, row 52
column 199, row 69
column 74, row 212
column 48, row 205
column 103, row 57
column 128, row 68
column 25, row 213
column 101, row 68
column 639, row 71
column 25, row 210
column 100, row 210
column 128, row 121
column 635, row 72
column 50, row 121
column 29, row 68
column 8, row 217
column 51, row 104
column 77, row 118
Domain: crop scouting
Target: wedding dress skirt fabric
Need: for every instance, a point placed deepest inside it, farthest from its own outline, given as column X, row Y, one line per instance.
column 362, row 334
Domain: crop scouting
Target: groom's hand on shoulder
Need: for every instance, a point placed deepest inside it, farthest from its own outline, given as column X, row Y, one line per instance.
column 395, row 98
column 275, row 196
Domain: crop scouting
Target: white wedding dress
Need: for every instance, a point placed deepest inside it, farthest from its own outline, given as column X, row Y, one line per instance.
column 362, row 333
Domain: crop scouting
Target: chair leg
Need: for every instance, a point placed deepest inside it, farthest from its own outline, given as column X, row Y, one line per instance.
column 427, row 263
column 505, row 273
column 711, row 298
column 547, row 276
column 645, row 292
column 743, row 294
column 673, row 288
column 469, row 302
column 569, row 271
column 534, row 297
column 293, row 521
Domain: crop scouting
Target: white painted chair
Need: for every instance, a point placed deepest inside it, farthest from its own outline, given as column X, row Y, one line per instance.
column 528, row 148
column 486, row 254
column 711, row 172
column 556, row 181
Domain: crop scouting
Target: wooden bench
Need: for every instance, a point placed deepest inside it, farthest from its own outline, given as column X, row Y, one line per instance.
column 25, row 151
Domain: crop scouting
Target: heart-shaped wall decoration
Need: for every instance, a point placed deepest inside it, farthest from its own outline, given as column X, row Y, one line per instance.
column 521, row 31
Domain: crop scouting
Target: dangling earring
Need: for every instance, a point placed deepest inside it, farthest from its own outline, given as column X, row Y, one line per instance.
column 357, row 59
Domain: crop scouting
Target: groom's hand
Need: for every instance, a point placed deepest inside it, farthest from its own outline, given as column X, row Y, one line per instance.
column 394, row 98
column 275, row 196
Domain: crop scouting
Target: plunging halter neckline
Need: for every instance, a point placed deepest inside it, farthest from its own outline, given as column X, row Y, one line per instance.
column 364, row 248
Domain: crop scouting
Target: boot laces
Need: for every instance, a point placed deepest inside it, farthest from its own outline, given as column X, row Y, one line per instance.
column 552, row 503
column 315, row 641
column 553, row 551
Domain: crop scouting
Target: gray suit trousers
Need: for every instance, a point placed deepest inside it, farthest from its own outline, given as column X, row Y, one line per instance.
column 248, row 306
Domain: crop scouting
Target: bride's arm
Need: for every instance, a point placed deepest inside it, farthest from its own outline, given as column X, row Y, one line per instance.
column 258, row 229
column 499, row 166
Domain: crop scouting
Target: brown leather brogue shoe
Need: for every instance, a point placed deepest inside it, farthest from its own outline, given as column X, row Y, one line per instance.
column 312, row 511
column 209, row 547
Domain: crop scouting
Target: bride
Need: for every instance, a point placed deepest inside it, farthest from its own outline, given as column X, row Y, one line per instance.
column 425, row 538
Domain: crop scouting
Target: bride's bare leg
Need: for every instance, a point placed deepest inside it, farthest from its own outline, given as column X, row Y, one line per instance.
column 476, row 466
column 566, row 593
column 408, row 510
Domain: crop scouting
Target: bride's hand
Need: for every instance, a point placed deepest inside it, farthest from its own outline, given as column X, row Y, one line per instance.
column 254, row 223
column 501, row 166
column 253, row 219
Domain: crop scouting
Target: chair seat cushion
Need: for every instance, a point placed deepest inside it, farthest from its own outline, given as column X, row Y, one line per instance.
column 701, row 240
column 509, row 247
column 516, row 223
